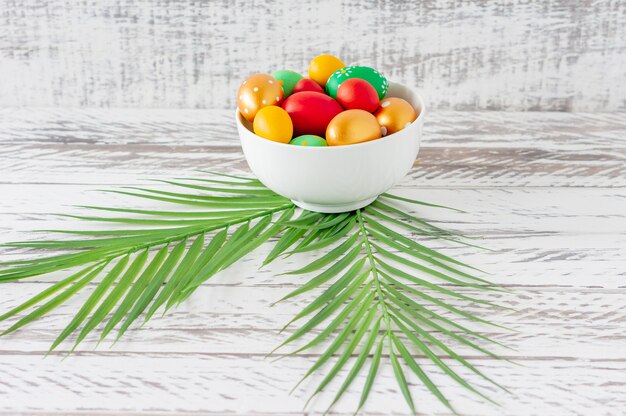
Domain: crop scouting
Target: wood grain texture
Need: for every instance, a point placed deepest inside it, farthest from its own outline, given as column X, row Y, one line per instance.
column 459, row 149
column 545, row 190
column 518, row 55
column 158, row 383
column 237, row 319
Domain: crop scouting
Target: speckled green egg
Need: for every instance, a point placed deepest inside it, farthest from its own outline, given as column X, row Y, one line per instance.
column 309, row 140
column 370, row 75
column 288, row 80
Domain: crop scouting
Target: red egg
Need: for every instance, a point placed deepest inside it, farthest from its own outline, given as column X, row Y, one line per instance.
column 307, row 85
column 311, row 112
column 357, row 94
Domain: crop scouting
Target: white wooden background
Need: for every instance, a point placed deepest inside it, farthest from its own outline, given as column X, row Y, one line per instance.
column 566, row 55
column 546, row 190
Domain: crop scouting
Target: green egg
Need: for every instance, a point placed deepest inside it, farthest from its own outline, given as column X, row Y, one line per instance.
column 288, row 80
column 370, row 75
column 309, row 140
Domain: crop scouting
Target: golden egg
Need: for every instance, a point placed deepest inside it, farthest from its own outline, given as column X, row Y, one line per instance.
column 351, row 127
column 273, row 123
column 256, row 92
column 394, row 114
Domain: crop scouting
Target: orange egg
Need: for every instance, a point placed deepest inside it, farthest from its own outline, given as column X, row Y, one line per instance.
column 351, row 127
column 394, row 114
column 322, row 67
column 273, row 123
column 256, row 92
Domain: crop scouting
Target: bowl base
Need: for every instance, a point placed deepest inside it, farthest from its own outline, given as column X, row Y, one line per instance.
column 333, row 209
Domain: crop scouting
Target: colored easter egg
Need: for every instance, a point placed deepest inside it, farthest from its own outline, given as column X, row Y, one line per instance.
column 394, row 114
column 351, row 127
column 307, row 85
column 309, row 140
column 256, row 92
column 322, row 67
column 370, row 75
column 357, row 94
column 287, row 79
column 311, row 112
column 273, row 123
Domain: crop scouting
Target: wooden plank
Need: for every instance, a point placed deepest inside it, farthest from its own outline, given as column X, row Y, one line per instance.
column 487, row 210
column 556, row 55
column 574, row 261
column 459, row 149
column 189, row 127
column 239, row 320
column 553, row 232
column 239, row 384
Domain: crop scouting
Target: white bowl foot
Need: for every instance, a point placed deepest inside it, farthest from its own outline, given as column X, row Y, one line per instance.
column 333, row 209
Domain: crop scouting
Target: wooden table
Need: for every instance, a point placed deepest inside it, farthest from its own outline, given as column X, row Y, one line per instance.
column 547, row 191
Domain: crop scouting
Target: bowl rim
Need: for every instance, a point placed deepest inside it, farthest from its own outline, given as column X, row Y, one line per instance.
column 377, row 142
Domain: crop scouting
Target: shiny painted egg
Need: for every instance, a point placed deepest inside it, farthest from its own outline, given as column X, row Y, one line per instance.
column 322, row 67
column 311, row 112
column 357, row 94
column 287, row 79
column 309, row 140
column 256, row 92
column 395, row 114
column 351, row 127
column 370, row 75
column 308, row 85
column 273, row 123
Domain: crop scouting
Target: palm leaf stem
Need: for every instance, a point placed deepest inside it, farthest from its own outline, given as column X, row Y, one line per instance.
column 374, row 269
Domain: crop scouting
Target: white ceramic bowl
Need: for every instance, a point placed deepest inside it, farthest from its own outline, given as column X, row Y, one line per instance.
column 335, row 178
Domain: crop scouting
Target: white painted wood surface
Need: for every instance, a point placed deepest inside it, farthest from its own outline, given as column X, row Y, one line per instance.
column 547, row 191
column 567, row 55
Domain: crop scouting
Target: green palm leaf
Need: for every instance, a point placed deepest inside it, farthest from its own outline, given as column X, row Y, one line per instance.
column 377, row 291
column 379, row 296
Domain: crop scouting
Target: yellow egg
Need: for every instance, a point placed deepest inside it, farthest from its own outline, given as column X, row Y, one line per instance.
column 322, row 67
column 273, row 123
column 394, row 114
column 351, row 127
column 256, row 92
